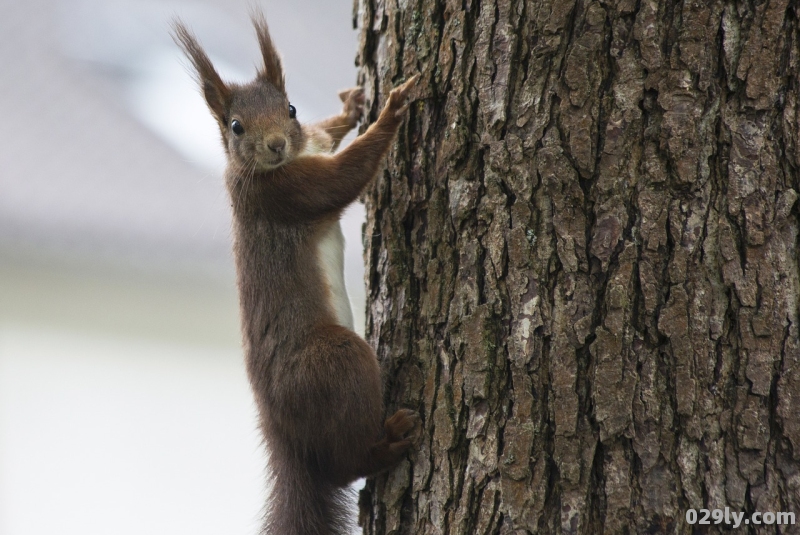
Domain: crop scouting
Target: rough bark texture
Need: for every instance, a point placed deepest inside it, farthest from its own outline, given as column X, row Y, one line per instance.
column 583, row 263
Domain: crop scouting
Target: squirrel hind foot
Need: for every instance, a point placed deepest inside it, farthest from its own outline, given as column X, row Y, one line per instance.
column 389, row 451
column 400, row 423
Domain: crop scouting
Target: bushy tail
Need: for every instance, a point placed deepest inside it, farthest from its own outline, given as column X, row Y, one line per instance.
column 304, row 504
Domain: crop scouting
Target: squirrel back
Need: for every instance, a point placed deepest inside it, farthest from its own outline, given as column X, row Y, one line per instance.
column 316, row 383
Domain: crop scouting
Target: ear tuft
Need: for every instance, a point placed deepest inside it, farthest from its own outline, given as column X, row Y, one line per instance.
column 273, row 70
column 216, row 93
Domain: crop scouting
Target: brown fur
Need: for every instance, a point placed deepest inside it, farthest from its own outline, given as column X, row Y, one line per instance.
column 317, row 384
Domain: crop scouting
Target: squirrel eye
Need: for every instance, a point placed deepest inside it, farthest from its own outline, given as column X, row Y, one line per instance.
column 292, row 112
column 237, row 127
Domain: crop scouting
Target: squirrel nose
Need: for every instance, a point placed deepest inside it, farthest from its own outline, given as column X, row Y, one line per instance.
column 276, row 144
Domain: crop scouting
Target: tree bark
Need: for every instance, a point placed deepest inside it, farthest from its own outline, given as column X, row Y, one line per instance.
column 583, row 263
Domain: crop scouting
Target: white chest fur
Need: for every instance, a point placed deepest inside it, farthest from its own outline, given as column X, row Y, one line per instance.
column 330, row 252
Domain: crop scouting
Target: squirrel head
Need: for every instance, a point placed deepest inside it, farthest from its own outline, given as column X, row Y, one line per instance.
column 258, row 124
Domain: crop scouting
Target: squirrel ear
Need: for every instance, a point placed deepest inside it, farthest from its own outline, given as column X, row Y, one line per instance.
column 216, row 93
column 273, row 70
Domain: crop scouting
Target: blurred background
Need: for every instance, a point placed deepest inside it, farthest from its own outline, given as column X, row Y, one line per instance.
column 124, row 406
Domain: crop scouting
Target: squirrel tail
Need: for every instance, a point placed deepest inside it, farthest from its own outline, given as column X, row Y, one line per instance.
column 303, row 503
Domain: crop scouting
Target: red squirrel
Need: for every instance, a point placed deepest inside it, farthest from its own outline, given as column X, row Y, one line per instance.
column 317, row 384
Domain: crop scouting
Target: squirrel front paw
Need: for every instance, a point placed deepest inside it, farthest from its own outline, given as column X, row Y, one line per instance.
column 399, row 97
column 353, row 109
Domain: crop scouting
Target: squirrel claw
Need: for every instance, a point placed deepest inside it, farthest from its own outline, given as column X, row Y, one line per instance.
column 354, row 93
column 408, row 85
column 402, row 111
column 399, row 100
column 353, row 99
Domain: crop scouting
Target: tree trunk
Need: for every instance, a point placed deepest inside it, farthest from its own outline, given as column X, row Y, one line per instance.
column 583, row 263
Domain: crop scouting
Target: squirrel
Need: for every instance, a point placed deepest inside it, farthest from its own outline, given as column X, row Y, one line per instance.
column 317, row 384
